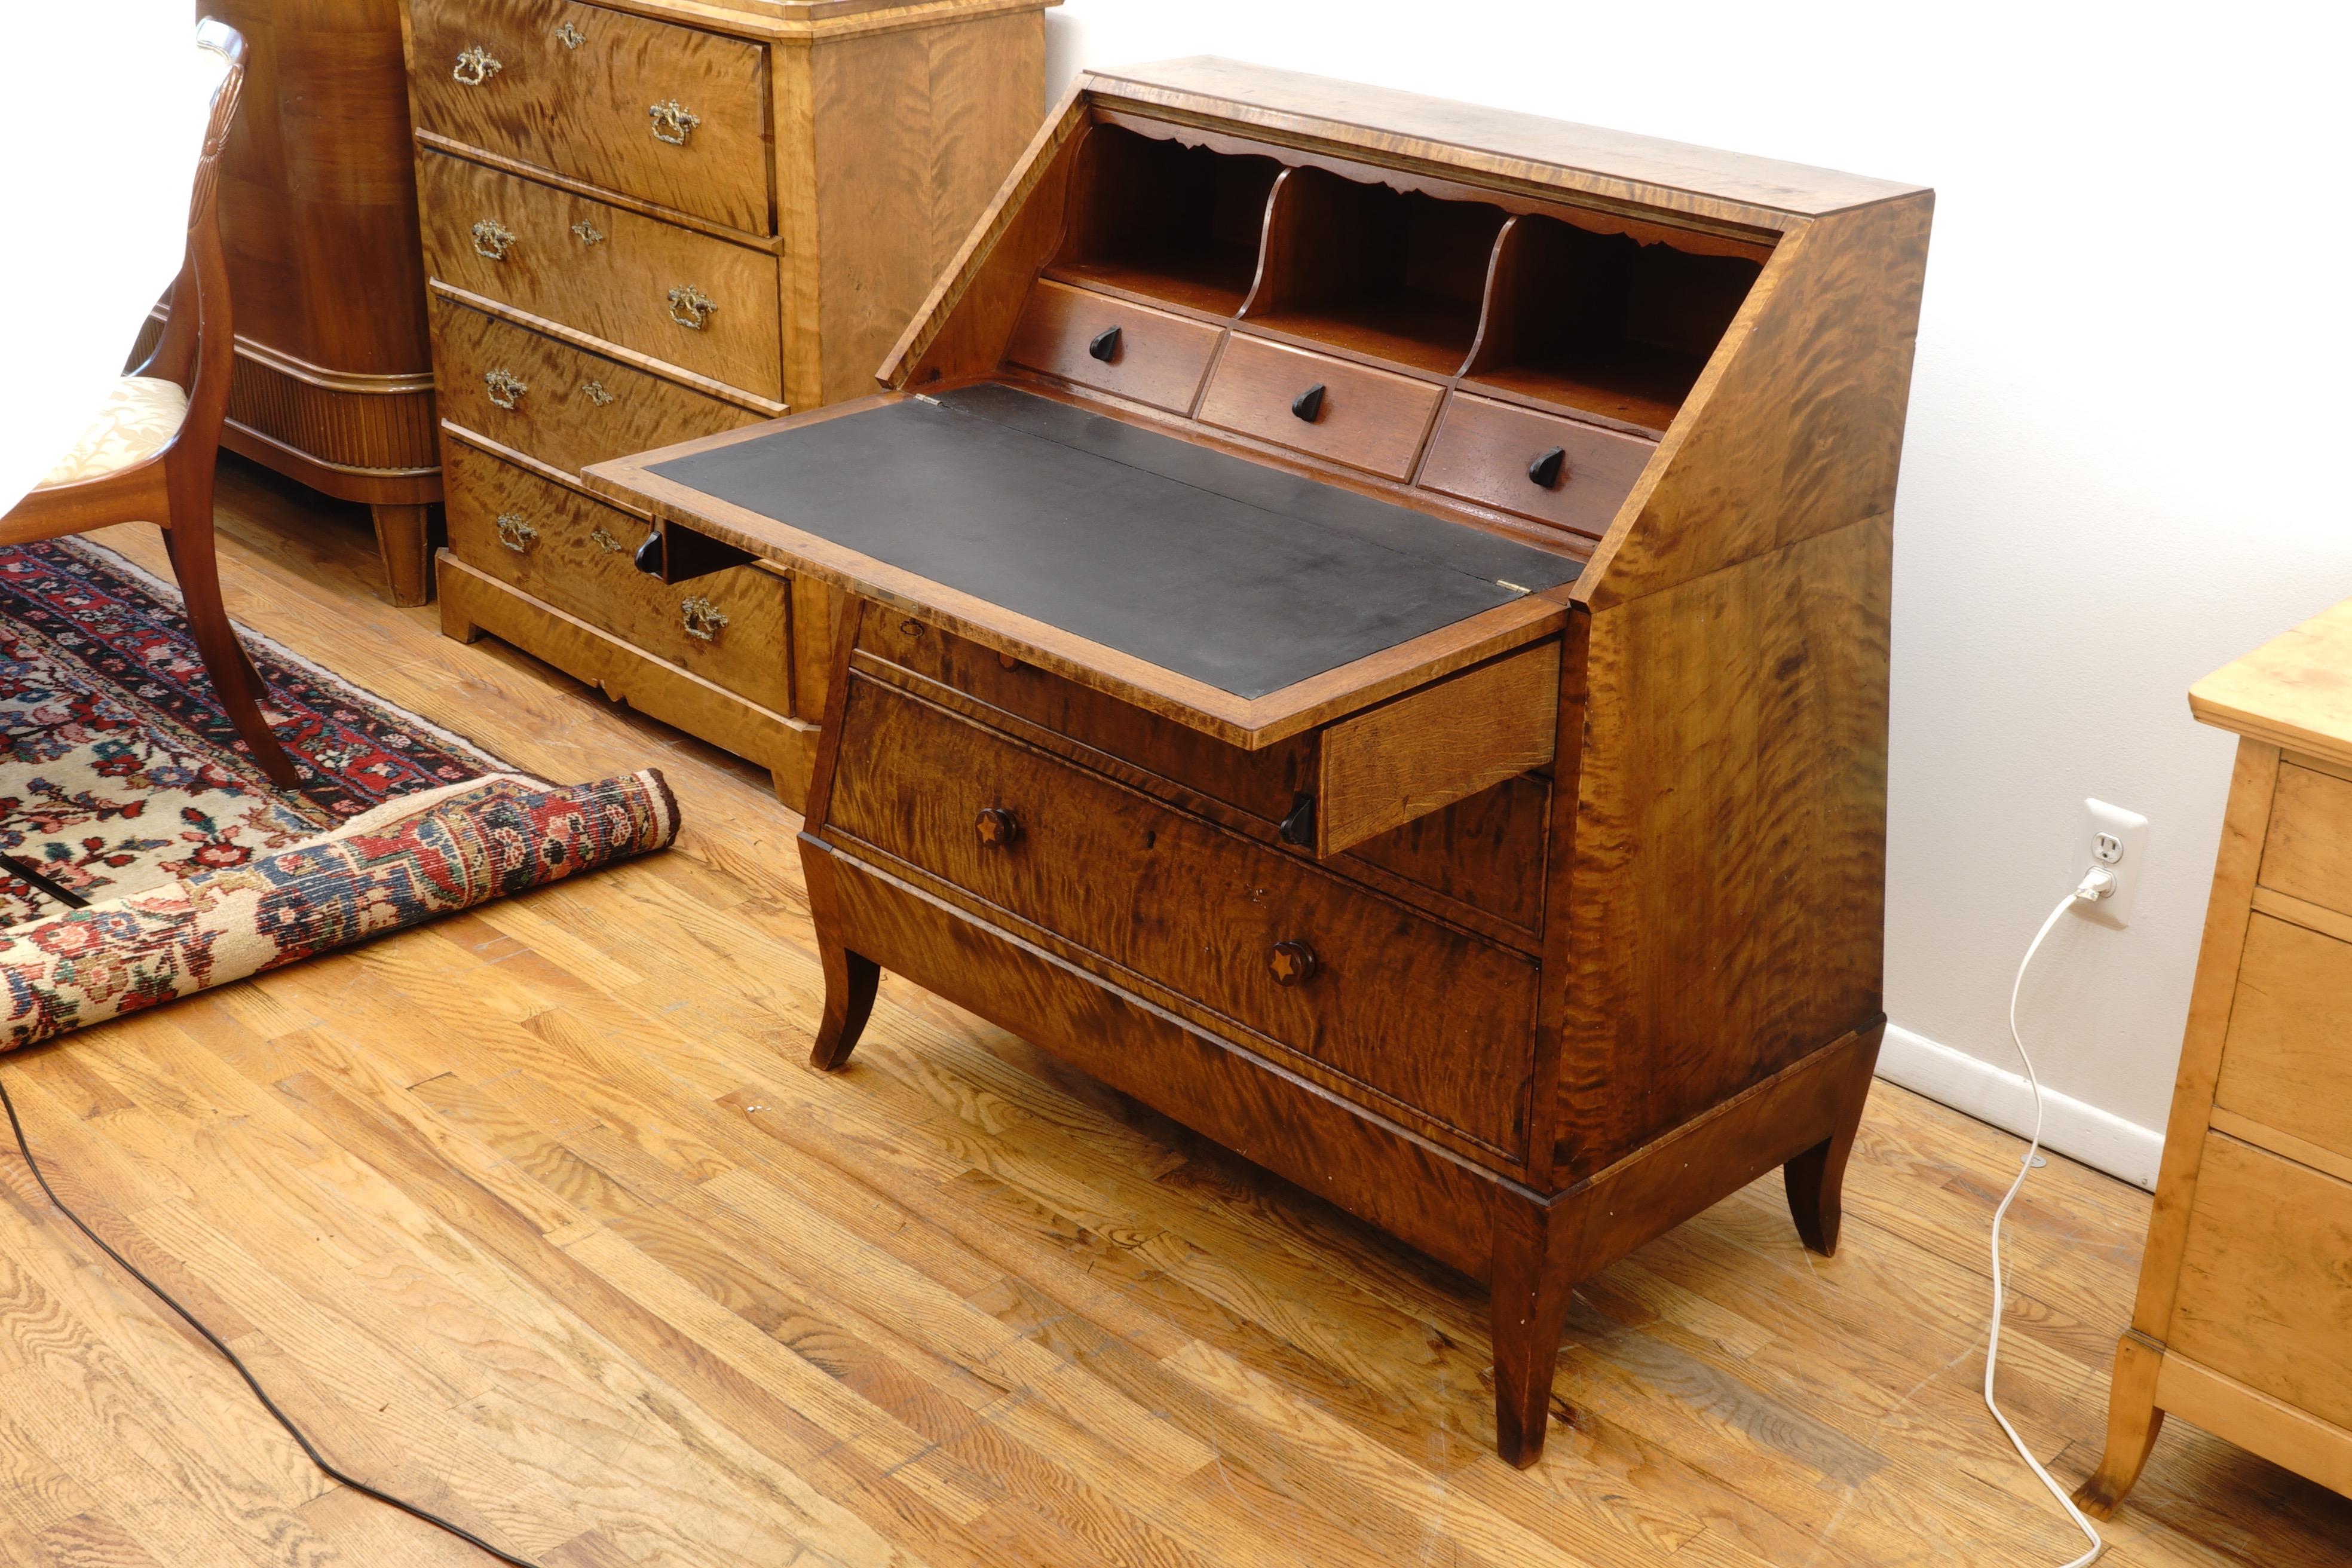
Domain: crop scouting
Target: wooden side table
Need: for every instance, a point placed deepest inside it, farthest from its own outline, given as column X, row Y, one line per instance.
column 2243, row 1324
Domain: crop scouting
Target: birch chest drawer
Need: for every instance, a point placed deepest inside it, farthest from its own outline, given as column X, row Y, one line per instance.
column 2243, row 1323
column 646, row 221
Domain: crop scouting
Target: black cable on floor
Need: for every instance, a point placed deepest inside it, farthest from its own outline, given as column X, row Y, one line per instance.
column 214, row 1340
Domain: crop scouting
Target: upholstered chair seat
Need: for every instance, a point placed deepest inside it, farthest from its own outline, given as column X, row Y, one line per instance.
column 140, row 417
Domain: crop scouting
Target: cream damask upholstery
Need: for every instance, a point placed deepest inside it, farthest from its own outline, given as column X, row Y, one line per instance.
column 140, row 417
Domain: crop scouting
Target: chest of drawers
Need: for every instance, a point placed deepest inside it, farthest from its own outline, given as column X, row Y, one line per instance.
column 1365, row 628
column 643, row 221
column 2243, row 1322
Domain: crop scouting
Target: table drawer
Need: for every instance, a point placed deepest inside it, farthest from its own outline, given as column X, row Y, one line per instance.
column 2307, row 852
column 667, row 114
column 1365, row 418
column 2266, row 1278
column 705, row 304
column 1127, row 350
column 558, row 546
column 1501, row 455
column 1211, row 915
column 2287, row 1062
column 560, row 405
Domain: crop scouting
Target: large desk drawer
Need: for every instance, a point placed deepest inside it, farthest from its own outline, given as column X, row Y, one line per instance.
column 671, row 115
column 1334, row 973
column 703, row 303
column 732, row 627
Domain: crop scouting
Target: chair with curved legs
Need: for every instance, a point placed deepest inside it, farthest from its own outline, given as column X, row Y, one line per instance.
column 149, row 457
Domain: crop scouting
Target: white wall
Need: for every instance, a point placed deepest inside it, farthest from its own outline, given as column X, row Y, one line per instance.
column 2126, row 461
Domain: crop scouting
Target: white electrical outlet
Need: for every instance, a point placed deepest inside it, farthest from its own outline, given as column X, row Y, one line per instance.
column 2117, row 839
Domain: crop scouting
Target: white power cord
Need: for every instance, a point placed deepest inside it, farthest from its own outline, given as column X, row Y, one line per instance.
column 2093, row 887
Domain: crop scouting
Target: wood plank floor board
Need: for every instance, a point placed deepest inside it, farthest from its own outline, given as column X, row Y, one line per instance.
column 536, row 1213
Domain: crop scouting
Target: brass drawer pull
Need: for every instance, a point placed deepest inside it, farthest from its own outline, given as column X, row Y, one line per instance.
column 697, row 305
column 515, row 533
column 1549, row 468
column 569, row 35
column 476, row 66
column 1293, row 963
column 492, row 239
column 586, row 232
column 702, row 619
column 505, row 386
column 997, row 828
column 673, row 122
column 602, row 538
column 593, row 391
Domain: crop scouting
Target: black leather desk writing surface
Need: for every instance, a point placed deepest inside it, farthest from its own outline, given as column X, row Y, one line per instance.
column 1240, row 576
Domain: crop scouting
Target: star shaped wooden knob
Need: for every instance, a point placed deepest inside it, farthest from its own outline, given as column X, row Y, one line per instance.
column 997, row 828
column 1292, row 963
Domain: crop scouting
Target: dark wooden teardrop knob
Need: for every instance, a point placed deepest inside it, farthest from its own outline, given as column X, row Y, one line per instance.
column 1309, row 405
column 1293, row 963
column 1105, row 344
column 998, row 828
column 1546, row 470
column 649, row 554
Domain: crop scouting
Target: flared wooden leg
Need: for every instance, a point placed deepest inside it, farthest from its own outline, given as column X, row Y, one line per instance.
column 1816, row 1178
column 2133, row 1421
column 235, row 681
column 1531, row 1294
column 401, row 538
column 850, row 982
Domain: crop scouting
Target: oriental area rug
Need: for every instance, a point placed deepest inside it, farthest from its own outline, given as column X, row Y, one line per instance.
column 143, row 856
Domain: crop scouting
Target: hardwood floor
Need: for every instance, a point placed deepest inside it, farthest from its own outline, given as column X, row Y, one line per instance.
column 536, row 1217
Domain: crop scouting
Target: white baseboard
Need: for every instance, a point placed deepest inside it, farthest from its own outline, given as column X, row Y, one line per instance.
column 2080, row 1131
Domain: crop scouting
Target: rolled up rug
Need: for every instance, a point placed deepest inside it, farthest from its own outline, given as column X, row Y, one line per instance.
column 406, row 861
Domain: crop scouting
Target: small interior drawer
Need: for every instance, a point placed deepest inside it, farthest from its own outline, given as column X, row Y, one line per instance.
column 2266, row 1278
column 562, row 405
column 1352, row 413
column 2286, row 1063
column 732, row 627
column 1125, row 349
column 1559, row 471
column 1262, row 936
column 706, row 305
column 2307, row 853
column 671, row 115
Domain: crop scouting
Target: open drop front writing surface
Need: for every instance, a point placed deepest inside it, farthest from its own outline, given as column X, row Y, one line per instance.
column 1241, row 576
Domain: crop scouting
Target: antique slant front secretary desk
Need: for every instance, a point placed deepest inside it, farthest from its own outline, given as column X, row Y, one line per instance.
column 1368, row 631
column 650, row 219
